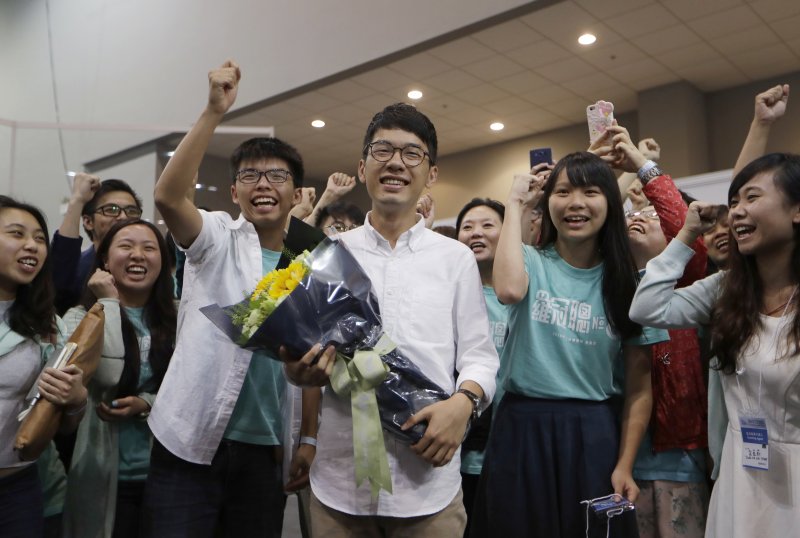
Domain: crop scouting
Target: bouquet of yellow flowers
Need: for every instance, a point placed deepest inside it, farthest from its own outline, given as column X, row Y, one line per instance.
column 270, row 292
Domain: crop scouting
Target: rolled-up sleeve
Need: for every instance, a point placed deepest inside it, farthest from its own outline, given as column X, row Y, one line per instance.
column 476, row 356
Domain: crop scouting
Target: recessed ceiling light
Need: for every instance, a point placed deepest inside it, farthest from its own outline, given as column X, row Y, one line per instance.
column 319, row 124
column 587, row 39
column 497, row 126
column 200, row 186
column 170, row 153
column 213, row 188
column 415, row 94
column 71, row 173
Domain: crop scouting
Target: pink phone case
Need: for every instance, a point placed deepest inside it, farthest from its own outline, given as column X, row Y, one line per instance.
column 600, row 116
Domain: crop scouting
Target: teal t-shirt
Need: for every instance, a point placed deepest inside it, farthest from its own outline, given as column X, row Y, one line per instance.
column 134, row 434
column 472, row 460
column 256, row 418
column 559, row 343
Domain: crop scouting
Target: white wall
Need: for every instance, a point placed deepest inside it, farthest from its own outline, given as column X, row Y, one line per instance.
column 145, row 61
column 711, row 187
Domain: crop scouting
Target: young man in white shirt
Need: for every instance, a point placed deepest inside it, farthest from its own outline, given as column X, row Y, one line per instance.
column 432, row 307
column 217, row 419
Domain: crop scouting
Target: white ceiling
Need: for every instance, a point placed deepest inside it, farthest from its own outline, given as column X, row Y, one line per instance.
column 531, row 74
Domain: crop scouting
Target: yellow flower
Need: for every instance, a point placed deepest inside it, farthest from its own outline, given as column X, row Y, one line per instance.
column 263, row 285
column 269, row 293
column 297, row 270
column 291, row 284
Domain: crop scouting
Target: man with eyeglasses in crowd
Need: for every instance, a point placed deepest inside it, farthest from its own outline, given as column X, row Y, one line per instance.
column 215, row 467
column 99, row 204
column 432, row 307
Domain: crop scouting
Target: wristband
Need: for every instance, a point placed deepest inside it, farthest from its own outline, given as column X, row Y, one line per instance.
column 308, row 441
column 77, row 411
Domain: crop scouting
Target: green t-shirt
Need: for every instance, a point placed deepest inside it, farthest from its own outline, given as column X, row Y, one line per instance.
column 560, row 344
column 134, row 434
column 256, row 418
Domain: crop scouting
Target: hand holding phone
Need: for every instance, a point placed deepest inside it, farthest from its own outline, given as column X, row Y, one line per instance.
column 541, row 155
column 600, row 117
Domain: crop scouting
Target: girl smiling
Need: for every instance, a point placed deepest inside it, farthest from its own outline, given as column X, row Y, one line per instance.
column 29, row 333
column 755, row 335
column 133, row 281
column 576, row 368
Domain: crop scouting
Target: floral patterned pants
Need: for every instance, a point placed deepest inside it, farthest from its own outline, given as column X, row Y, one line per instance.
column 665, row 509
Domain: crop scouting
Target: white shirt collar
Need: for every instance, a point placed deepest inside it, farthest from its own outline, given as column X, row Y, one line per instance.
column 410, row 237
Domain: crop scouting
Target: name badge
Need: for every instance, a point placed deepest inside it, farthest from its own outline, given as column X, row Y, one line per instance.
column 755, row 442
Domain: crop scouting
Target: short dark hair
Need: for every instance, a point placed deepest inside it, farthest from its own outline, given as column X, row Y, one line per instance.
column 266, row 148
column 107, row 186
column 407, row 118
column 33, row 312
column 339, row 210
column 498, row 208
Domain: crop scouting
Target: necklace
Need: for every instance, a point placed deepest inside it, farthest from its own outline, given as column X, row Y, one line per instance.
column 783, row 306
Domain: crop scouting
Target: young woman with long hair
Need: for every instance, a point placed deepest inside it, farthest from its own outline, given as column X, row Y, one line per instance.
column 576, row 369
column 30, row 332
column 751, row 309
column 132, row 279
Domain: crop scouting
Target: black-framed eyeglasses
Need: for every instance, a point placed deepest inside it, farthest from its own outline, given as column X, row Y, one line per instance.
column 650, row 214
column 114, row 210
column 382, row 151
column 274, row 175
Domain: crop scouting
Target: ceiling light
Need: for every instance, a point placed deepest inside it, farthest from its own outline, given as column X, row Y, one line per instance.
column 71, row 174
column 170, row 153
column 319, row 124
column 200, row 186
column 587, row 39
column 415, row 94
column 213, row 188
column 497, row 126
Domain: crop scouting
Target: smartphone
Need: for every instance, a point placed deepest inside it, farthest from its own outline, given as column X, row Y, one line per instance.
column 600, row 117
column 610, row 506
column 541, row 155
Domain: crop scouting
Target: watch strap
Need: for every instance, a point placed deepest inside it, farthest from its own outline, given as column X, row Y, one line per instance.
column 474, row 398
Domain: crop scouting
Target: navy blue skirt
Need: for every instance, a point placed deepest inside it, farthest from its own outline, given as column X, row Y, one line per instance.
column 543, row 458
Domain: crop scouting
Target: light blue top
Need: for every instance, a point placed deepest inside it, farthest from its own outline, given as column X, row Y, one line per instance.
column 472, row 460
column 134, row 434
column 675, row 465
column 560, row 344
column 256, row 418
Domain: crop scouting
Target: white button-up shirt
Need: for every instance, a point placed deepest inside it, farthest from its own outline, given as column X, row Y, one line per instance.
column 207, row 370
column 431, row 301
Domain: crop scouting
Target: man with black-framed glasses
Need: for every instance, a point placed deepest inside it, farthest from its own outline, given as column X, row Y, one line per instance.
column 98, row 204
column 431, row 302
column 215, row 466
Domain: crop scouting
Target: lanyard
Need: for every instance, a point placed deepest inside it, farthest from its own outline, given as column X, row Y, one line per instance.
column 740, row 371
